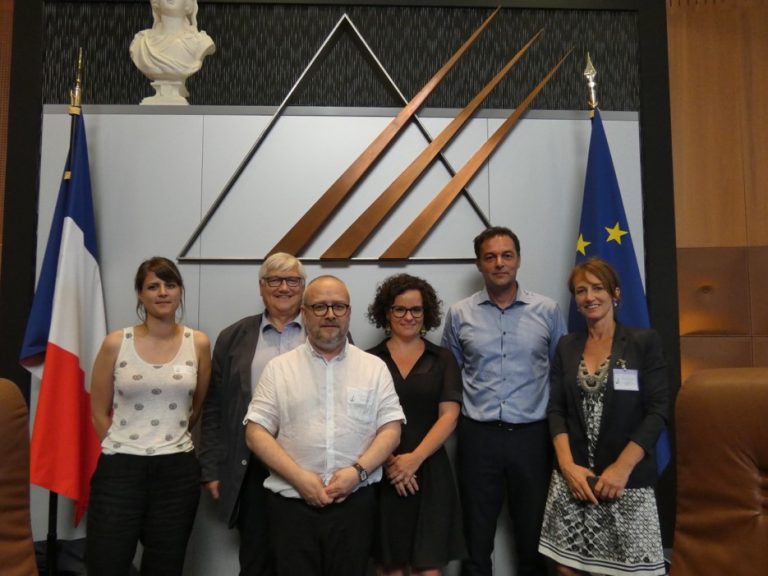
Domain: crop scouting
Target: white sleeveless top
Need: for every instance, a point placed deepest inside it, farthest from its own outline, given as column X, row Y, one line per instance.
column 152, row 402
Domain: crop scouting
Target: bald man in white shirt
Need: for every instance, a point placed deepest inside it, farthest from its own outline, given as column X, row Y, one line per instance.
column 323, row 419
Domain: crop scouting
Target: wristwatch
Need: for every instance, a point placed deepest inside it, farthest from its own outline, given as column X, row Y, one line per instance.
column 361, row 473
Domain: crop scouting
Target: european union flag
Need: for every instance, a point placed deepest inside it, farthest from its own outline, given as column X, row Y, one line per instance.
column 604, row 232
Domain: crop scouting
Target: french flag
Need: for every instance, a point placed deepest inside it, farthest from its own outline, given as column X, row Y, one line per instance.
column 65, row 329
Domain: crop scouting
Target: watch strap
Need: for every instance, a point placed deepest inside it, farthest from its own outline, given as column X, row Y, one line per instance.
column 362, row 474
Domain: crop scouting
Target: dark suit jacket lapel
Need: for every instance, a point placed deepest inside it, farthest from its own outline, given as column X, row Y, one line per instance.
column 244, row 354
column 618, row 352
column 579, row 343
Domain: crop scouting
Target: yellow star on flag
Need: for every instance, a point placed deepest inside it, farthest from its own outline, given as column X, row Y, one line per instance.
column 581, row 245
column 615, row 233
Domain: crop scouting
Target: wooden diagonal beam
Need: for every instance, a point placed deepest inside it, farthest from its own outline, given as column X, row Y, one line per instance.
column 304, row 230
column 414, row 235
column 360, row 230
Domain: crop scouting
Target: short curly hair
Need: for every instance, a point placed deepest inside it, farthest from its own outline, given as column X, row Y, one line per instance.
column 392, row 287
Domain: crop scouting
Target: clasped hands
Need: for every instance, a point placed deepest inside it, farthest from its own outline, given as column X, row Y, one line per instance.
column 401, row 473
column 311, row 488
column 609, row 485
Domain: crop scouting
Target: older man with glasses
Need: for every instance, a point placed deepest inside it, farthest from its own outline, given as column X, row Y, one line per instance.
column 231, row 474
column 323, row 418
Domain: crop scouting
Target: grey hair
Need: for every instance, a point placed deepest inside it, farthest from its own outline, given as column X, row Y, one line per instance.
column 281, row 262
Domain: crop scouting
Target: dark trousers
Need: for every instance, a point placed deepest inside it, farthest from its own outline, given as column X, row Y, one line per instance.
column 147, row 499
column 331, row 541
column 252, row 523
column 494, row 460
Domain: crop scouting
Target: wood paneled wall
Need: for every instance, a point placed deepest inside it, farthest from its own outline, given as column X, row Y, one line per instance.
column 718, row 51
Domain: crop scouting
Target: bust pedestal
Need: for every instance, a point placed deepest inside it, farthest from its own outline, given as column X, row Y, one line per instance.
column 168, row 93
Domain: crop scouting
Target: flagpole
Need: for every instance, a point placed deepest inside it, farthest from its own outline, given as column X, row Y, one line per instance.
column 51, row 543
column 589, row 74
column 75, row 97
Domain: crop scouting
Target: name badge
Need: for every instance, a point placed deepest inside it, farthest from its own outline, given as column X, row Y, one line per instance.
column 624, row 379
column 181, row 369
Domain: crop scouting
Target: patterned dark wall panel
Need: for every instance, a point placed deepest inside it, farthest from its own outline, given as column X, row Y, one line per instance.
column 262, row 49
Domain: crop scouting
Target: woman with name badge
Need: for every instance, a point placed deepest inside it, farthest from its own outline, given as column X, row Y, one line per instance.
column 147, row 389
column 608, row 404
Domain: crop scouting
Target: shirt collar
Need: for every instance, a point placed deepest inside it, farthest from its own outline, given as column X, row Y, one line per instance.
column 521, row 297
column 266, row 323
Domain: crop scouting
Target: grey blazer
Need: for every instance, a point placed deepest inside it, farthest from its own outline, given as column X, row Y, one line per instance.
column 222, row 452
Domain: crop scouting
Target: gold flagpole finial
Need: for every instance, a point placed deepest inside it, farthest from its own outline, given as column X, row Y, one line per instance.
column 589, row 74
column 76, row 93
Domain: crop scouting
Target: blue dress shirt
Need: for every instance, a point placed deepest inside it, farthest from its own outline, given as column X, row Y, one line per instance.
column 504, row 354
column 273, row 342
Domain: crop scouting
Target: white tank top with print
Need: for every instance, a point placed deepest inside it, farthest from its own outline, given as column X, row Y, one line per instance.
column 152, row 402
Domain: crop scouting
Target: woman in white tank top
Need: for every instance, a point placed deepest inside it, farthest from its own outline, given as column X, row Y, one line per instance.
column 147, row 390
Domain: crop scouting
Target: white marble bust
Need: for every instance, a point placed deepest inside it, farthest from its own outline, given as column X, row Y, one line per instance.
column 172, row 50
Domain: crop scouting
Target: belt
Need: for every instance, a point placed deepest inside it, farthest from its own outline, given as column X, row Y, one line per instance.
column 501, row 425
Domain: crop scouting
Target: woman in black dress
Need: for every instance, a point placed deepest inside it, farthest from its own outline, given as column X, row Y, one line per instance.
column 419, row 512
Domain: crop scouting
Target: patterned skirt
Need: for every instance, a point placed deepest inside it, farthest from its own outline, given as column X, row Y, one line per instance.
column 617, row 538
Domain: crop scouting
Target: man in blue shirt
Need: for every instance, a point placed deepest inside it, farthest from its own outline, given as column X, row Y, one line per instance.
column 503, row 338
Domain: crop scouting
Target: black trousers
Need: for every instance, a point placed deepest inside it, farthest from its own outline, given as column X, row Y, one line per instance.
column 331, row 541
column 252, row 523
column 147, row 499
column 495, row 460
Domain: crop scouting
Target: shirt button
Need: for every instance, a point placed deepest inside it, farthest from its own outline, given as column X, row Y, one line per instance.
column 244, row 462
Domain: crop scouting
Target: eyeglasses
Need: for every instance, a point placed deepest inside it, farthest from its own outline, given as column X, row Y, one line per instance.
column 320, row 309
column 275, row 281
column 401, row 311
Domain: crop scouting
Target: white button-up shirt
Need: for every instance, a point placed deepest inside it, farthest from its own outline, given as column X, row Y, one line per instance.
column 324, row 414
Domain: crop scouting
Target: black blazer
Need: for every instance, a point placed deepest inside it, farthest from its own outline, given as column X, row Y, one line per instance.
column 627, row 415
column 222, row 452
